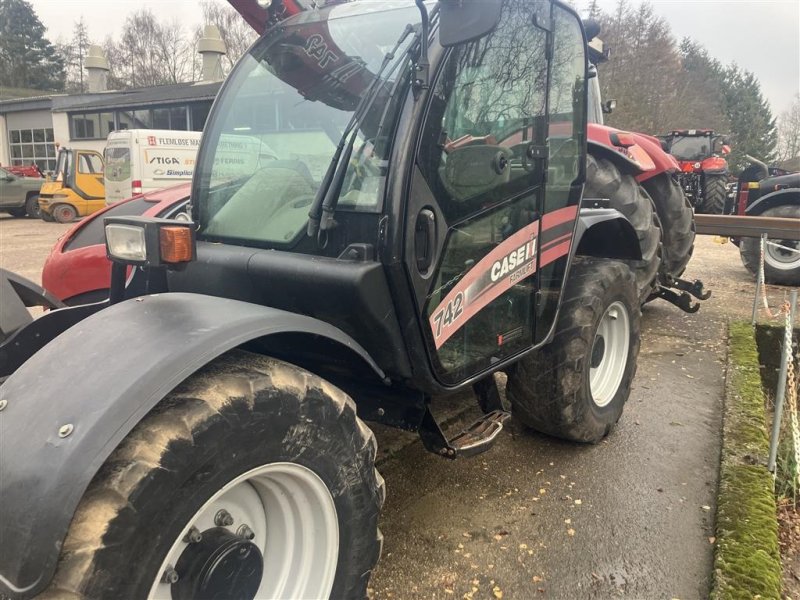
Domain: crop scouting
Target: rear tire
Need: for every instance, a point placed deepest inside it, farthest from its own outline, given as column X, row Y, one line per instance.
column 576, row 386
column 64, row 213
column 244, row 416
column 32, row 207
column 715, row 192
column 780, row 266
column 677, row 222
column 604, row 180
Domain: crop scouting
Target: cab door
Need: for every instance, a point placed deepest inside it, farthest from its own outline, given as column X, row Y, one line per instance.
column 483, row 163
column 89, row 175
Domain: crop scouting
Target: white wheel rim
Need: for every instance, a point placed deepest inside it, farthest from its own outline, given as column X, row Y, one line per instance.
column 781, row 259
column 291, row 512
column 609, row 354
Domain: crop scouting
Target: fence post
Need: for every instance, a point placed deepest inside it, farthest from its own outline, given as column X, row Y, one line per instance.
column 759, row 276
column 786, row 356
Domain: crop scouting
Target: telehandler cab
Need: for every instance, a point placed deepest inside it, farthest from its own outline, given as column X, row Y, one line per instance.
column 387, row 209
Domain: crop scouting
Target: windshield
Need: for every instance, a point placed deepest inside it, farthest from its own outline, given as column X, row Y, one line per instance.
column 691, row 147
column 63, row 165
column 275, row 128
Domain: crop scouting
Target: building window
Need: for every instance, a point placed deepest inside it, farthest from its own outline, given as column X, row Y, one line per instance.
column 91, row 126
column 33, row 146
column 199, row 115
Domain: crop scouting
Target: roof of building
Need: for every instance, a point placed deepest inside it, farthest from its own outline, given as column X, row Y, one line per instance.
column 141, row 97
column 133, row 98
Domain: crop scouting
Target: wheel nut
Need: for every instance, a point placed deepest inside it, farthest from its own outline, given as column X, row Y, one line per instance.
column 245, row 532
column 170, row 575
column 193, row 536
column 223, row 518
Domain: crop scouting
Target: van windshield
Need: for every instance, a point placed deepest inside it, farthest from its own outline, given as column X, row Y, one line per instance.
column 118, row 163
column 275, row 127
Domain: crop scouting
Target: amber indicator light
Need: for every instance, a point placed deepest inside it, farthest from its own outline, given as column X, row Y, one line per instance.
column 176, row 244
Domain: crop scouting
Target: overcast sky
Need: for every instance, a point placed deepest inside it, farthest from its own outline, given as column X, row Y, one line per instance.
column 762, row 36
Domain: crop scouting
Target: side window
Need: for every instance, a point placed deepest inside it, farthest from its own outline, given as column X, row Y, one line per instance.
column 90, row 163
column 566, row 141
column 486, row 110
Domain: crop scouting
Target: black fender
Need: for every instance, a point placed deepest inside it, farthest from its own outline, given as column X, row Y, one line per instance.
column 606, row 233
column 71, row 404
column 16, row 295
column 777, row 198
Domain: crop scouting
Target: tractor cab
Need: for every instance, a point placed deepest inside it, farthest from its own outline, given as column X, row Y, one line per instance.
column 76, row 187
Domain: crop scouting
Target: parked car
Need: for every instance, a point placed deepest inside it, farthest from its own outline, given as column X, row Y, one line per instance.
column 77, row 270
column 19, row 195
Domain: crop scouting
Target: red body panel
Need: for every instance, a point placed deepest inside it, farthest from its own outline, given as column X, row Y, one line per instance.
column 646, row 152
column 29, row 171
column 714, row 163
column 74, row 272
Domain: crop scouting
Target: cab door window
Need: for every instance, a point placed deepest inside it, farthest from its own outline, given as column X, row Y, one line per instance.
column 566, row 164
column 481, row 157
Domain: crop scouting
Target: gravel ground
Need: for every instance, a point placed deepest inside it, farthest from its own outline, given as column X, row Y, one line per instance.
column 536, row 517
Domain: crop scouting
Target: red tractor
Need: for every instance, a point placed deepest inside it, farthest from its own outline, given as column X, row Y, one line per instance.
column 704, row 170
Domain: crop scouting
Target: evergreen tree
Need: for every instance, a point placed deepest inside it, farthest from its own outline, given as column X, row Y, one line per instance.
column 27, row 58
column 752, row 126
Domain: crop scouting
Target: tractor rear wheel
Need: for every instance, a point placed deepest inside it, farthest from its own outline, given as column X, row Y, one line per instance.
column 677, row 222
column 715, row 193
column 781, row 261
column 576, row 386
column 604, row 180
column 253, row 479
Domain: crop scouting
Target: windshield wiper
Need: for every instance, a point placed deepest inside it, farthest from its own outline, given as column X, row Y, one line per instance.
column 320, row 217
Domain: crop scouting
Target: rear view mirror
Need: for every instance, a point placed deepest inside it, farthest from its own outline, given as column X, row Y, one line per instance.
column 463, row 21
column 592, row 29
column 609, row 106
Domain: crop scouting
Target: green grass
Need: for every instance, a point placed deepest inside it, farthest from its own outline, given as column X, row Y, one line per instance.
column 747, row 562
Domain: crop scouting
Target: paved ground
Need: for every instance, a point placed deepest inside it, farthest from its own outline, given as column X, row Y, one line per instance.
column 535, row 517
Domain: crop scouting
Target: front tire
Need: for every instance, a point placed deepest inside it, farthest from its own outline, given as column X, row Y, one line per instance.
column 576, row 386
column 781, row 266
column 604, row 180
column 715, row 192
column 279, row 450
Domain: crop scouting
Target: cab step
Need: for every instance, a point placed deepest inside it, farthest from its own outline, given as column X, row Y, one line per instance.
column 477, row 438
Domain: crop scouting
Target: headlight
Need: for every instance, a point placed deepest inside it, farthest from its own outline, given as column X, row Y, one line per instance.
column 126, row 243
column 149, row 242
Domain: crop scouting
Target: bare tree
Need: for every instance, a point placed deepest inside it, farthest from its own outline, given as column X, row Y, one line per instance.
column 150, row 53
column 74, row 52
column 789, row 131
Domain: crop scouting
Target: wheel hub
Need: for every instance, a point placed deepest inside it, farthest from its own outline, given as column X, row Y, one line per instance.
column 598, row 351
column 221, row 565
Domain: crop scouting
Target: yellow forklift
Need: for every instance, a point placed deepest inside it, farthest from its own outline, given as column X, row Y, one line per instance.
column 76, row 189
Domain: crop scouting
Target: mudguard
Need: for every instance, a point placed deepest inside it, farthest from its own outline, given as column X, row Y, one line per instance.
column 16, row 295
column 629, row 158
column 644, row 159
column 606, row 233
column 778, row 198
column 58, row 425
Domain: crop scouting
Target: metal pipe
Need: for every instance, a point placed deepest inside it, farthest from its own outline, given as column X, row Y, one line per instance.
column 780, row 393
column 760, row 273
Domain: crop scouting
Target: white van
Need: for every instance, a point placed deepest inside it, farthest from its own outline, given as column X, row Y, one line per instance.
column 143, row 160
